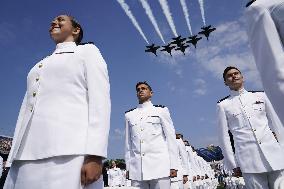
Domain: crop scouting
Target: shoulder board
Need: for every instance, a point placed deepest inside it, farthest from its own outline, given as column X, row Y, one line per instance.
column 250, row 3
column 160, row 106
column 130, row 110
column 86, row 43
column 256, row 91
column 223, row 99
column 64, row 52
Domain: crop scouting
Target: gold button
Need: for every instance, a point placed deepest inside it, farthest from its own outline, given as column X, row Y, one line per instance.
column 143, row 154
column 40, row 65
column 254, row 130
column 259, row 142
column 37, row 79
column 34, row 94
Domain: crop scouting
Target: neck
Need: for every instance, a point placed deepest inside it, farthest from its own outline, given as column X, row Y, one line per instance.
column 68, row 39
column 143, row 101
column 237, row 88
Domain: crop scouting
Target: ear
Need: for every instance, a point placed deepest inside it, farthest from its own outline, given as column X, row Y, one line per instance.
column 76, row 31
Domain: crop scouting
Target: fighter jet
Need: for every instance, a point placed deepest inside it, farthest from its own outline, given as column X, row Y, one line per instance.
column 178, row 41
column 193, row 40
column 207, row 30
column 152, row 49
column 182, row 48
column 249, row 3
column 168, row 48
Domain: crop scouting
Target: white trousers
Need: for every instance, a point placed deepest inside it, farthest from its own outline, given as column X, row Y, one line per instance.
column 161, row 183
column 268, row 180
column 62, row 172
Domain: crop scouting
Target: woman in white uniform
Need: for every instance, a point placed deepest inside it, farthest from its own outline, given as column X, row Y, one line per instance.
column 62, row 130
column 115, row 176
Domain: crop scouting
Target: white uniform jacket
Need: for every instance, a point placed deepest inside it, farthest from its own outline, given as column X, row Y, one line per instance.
column 183, row 164
column 66, row 109
column 265, row 27
column 190, row 163
column 193, row 165
column 115, row 177
column 150, row 145
column 250, row 118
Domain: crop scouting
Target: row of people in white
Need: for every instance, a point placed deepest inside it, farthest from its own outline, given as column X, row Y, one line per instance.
column 155, row 157
column 201, row 175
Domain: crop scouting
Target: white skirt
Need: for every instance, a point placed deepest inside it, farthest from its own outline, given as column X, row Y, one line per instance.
column 62, row 172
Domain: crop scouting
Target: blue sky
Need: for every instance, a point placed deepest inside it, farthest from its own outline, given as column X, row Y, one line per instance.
column 188, row 85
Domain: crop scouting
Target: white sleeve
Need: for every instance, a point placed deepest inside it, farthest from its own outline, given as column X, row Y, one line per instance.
column 17, row 130
column 268, row 53
column 170, row 134
column 99, row 101
column 276, row 125
column 224, row 138
column 109, row 178
column 127, row 144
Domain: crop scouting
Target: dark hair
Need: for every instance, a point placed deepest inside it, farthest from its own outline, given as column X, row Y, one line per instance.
column 76, row 24
column 145, row 83
column 228, row 69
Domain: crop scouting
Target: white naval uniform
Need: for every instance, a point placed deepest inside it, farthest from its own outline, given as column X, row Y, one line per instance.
column 183, row 166
column 250, row 118
column 115, row 177
column 150, row 145
column 188, row 185
column 65, row 113
column 265, row 28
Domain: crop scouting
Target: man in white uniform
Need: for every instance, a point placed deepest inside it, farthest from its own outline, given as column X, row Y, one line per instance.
column 252, row 123
column 265, row 27
column 183, row 165
column 62, row 130
column 150, row 143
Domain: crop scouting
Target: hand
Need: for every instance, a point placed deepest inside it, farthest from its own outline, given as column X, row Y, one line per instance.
column 91, row 170
column 185, row 179
column 173, row 173
column 237, row 172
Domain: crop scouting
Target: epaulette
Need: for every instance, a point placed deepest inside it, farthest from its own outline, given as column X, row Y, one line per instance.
column 160, row 106
column 86, row 43
column 130, row 110
column 250, row 3
column 256, row 91
column 223, row 99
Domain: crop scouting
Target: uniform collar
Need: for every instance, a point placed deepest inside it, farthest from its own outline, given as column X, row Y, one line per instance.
column 145, row 105
column 65, row 45
column 237, row 93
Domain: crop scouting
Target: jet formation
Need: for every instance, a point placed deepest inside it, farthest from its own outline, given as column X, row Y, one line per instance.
column 181, row 44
